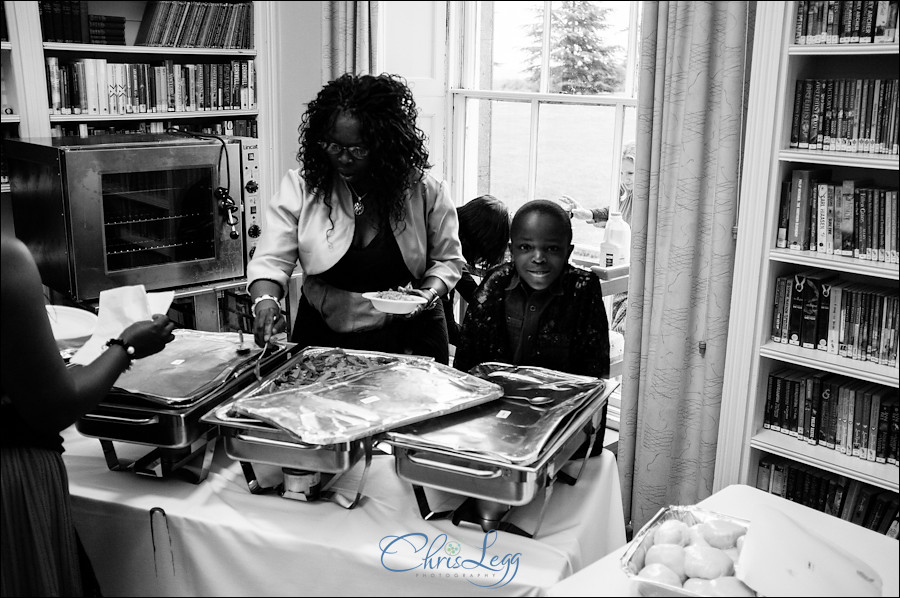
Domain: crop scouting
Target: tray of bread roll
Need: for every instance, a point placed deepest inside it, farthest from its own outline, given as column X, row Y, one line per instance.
column 687, row 551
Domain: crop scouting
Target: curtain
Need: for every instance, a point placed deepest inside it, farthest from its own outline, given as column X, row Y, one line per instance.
column 350, row 38
column 693, row 79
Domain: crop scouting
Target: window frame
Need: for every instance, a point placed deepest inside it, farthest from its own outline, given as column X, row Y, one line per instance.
column 463, row 47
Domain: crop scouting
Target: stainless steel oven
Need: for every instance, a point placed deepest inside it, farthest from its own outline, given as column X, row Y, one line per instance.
column 99, row 212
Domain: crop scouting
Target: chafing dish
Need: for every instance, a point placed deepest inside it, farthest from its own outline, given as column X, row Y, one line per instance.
column 317, row 425
column 505, row 453
column 159, row 401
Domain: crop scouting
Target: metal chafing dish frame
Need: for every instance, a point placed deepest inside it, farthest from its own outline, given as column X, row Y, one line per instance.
column 176, row 432
column 449, row 470
column 249, row 441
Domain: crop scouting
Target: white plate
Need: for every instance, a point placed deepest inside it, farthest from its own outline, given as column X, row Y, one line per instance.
column 395, row 306
column 70, row 324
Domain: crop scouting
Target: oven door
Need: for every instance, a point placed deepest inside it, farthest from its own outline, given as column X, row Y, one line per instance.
column 150, row 214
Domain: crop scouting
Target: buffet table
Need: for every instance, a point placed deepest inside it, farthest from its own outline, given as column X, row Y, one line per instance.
column 167, row 537
column 606, row 577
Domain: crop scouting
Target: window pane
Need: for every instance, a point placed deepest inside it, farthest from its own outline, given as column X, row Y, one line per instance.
column 588, row 41
column 496, row 156
column 506, row 55
column 576, row 158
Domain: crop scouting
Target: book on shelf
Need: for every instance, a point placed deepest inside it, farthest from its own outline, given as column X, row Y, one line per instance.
column 182, row 24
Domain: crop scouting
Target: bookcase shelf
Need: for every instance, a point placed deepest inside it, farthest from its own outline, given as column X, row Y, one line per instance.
column 756, row 363
column 876, row 161
column 837, row 263
column 841, row 49
column 878, row 474
column 86, row 49
column 213, row 114
column 861, row 370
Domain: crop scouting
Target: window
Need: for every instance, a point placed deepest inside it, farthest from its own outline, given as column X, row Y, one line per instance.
column 543, row 98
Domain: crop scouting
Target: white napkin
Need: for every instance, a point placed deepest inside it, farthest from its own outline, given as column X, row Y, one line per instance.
column 120, row 308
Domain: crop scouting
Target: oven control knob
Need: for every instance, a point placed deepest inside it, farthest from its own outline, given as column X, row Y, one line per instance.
column 254, row 231
column 251, row 186
column 252, row 251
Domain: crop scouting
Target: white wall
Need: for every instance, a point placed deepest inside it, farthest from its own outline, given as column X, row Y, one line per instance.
column 414, row 47
column 299, row 74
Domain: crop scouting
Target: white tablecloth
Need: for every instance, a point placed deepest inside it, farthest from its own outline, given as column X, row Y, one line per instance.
column 606, row 577
column 167, row 537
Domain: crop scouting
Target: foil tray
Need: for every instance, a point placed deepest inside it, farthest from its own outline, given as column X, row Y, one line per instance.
column 507, row 450
column 365, row 404
column 251, row 439
column 632, row 560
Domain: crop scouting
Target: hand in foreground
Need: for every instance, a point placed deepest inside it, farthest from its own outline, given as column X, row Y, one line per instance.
column 571, row 204
column 425, row 294
column 268, row 322
column 149, row 336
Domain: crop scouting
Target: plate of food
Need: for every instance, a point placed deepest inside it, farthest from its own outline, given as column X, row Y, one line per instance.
column 395, row 302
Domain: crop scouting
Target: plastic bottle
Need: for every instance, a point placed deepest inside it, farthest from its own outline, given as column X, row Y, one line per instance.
column 616, row 247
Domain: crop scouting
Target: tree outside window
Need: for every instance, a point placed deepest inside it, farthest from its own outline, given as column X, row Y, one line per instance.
column 543, row 100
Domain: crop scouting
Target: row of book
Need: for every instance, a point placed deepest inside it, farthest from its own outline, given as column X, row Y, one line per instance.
column 847, row 218
column 854, row 501
column 70, row 22
column 846, row 115
column 853, row 417
column 180, row 24
column 242, row 127
column 95, row 86
column 107, row 30
column 846, row 22
column 818, row 310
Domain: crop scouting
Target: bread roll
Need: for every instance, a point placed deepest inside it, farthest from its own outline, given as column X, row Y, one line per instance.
column 722, row 586
column 696, row 535
column 670, row 555
column 661, row 574
column 723, row 534
column 699, row 586
column 671, row 531
column 707, row 562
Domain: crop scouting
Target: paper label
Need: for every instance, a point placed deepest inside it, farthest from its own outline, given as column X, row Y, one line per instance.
column 369, row 399
column 503, row 414
column 178, row 362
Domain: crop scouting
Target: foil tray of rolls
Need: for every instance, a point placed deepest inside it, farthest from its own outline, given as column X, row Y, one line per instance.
column 687, row 551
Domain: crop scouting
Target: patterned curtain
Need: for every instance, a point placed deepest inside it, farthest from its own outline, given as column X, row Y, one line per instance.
column 693, row 80
column 350, row 38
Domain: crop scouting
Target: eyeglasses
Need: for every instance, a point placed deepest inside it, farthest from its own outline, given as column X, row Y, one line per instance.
column 336, row 149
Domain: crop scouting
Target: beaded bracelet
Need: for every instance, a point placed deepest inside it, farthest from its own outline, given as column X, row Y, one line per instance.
column 129, row 350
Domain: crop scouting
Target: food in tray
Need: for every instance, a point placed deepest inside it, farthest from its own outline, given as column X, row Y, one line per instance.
column 685, row 551
column 395, row 302
column 330, row 364
column 397, row 296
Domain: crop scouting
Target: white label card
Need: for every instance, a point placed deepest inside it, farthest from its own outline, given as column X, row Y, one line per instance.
column 370, row 399
column 503, row 414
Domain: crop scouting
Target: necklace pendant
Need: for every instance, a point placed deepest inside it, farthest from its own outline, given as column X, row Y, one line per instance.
column 358, row 208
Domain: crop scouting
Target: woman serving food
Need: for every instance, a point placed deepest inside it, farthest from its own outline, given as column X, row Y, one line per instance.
column 360, row 215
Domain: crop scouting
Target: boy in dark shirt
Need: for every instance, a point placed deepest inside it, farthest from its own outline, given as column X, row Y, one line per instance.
column 538, row 310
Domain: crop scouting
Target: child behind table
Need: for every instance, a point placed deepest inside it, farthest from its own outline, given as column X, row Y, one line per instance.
column 538, row 310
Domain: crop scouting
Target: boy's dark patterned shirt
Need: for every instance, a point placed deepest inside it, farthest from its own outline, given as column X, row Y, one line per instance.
column 573, row 334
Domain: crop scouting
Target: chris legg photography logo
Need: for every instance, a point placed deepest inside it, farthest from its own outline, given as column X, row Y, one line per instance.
column 444, row 558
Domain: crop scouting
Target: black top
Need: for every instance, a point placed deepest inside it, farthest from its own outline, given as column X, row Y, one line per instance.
column 15, row 431
column 379, row 266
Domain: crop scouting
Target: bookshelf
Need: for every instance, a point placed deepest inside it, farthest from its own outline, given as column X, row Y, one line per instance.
column 769, row 161
column 43, row 119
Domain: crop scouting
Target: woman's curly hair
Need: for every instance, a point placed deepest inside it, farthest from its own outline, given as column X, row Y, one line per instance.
column 386, row 111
